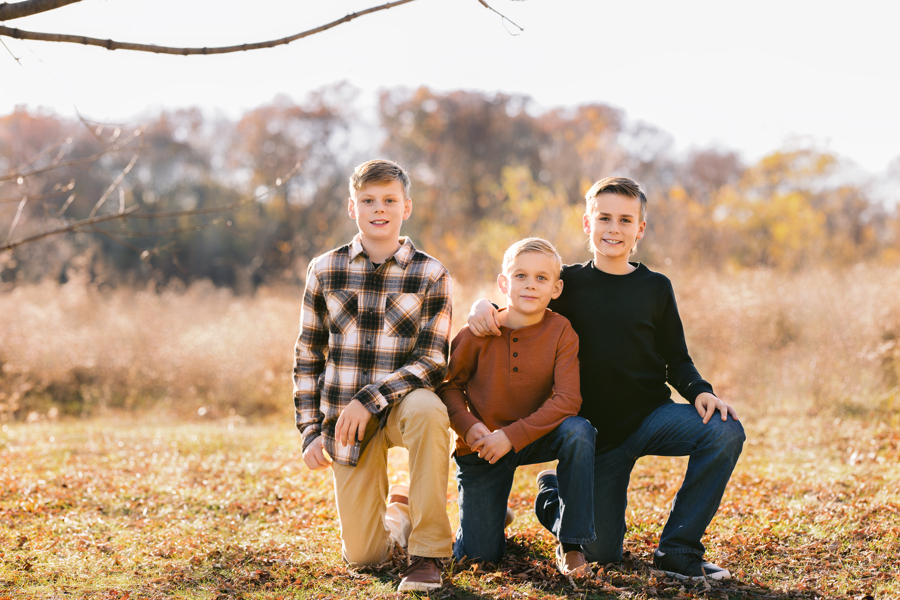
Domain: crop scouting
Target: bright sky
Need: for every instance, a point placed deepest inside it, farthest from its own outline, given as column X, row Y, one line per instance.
column 745, row 76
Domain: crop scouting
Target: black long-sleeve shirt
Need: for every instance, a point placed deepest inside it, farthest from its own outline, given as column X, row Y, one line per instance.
column 631, row 343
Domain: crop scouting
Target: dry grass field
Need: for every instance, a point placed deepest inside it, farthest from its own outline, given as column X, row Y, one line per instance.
column 147, row 450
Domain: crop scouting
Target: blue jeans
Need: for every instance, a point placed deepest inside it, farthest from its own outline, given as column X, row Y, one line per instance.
column 484, row 491
column 670, row 430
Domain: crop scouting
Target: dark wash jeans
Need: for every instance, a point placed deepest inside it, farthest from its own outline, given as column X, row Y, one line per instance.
column 670, row 430
column 484, row 491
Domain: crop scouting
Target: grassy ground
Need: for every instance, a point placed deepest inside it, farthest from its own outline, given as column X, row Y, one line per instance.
column 134, row 509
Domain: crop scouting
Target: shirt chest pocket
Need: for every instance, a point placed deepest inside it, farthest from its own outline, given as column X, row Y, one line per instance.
column 342, row 309
column 401, row 315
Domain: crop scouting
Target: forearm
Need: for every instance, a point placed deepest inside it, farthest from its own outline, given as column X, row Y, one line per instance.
column 461, row 420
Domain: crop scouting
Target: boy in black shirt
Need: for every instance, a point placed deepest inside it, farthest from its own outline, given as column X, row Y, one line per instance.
column 631, row 344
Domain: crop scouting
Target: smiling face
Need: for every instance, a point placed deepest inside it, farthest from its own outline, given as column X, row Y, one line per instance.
column 529, row 283
column 614, row 224
column 379, row 210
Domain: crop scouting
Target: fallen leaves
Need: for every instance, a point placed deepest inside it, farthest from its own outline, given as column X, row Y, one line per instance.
column 221, row 512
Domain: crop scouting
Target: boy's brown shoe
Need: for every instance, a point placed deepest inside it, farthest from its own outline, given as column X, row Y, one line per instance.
column 572, row 563
column 423, row 574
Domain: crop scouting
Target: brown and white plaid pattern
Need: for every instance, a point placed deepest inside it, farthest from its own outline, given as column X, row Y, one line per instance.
column 368, row 334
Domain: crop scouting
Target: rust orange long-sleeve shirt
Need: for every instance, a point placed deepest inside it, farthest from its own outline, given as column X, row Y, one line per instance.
column 526, row 381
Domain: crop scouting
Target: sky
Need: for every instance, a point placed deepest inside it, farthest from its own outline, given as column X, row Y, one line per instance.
column 751, row 77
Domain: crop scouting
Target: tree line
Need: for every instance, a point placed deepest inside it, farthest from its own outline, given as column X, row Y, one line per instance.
column 247, row 202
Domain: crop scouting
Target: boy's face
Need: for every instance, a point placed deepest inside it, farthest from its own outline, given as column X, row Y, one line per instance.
column 614, row 225
column 530, row 283
column 379, row 210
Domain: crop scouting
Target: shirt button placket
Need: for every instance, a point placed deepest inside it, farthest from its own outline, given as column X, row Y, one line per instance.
column 515, row 355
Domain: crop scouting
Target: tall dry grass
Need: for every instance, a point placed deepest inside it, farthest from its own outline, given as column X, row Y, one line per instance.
column 773, row 343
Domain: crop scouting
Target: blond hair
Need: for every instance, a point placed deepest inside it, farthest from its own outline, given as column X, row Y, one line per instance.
column 531, row 244
column 378, row 171
column 617, row 185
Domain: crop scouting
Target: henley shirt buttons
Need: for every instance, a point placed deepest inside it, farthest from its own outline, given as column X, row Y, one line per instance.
column 516, row 369
column 515, row 339
column 515, row 354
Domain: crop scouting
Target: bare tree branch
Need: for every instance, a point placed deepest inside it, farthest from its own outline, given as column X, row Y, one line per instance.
column 21, row 34
column 70, row 227
column 90, row 223
column 17, row 10
column 58, row 164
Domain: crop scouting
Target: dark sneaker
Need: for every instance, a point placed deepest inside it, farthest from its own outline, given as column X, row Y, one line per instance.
column 423, row 574
column 572, row 563
column 688, row 566
column 546, row 478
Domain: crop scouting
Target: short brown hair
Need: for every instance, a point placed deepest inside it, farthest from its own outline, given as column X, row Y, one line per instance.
column 617, row 185
column 378, row 171
column 531, row 244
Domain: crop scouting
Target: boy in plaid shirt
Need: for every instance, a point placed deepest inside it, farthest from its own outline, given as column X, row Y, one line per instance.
column 373, row 345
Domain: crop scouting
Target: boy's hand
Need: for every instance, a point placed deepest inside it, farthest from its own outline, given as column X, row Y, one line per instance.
column 483, row 319
column 475, row 433
column 352, row 422
column 493, row 447
column 707, row 405
column 314, row 455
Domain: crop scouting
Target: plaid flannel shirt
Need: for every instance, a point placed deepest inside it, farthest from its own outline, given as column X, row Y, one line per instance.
column 368, row 334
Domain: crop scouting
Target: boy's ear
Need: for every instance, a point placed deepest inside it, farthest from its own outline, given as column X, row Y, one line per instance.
column 407, row 208
column 557, row 289
column 351, row 208
column 503, row 283
column 586, row 223
column 640, row 231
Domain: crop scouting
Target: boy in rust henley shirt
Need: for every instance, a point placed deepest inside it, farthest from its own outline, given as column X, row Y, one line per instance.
column 513, row 400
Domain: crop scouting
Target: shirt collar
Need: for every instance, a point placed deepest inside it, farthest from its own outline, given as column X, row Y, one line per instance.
column 402, row 257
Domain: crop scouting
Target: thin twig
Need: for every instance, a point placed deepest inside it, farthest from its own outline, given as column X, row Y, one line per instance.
column 115, row 184
column 15, row 222
column 69, row 201
column 15, row 58
column 502, row 16
column 75, row 162
column 70, row 227
column 18, row 170
column 21, row 34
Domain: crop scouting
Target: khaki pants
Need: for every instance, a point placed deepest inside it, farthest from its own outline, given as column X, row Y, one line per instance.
column 420, row 424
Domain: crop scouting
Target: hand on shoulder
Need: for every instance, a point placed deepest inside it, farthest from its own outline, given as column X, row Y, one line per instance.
column 484, row 319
